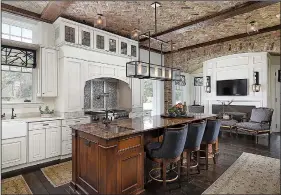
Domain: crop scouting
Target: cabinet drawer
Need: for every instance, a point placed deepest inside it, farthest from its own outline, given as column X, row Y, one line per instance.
column 66, row 147
column 44, row 125
column 76, row 121
column 66, row 133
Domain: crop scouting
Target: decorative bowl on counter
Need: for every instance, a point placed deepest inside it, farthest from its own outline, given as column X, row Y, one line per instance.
column 177, row 111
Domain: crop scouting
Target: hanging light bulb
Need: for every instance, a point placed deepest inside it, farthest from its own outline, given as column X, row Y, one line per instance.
column 252, row 27
column 139, row 68
column 100, row 21
column 135, row 33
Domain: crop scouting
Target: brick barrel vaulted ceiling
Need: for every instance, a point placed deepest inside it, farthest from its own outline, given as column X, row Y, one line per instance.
column 122, row 17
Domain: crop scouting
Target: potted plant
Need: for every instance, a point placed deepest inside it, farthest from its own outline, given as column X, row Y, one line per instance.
column 46, row 113
column 177, row 110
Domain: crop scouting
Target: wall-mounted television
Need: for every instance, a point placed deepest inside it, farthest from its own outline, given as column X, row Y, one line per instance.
column 237, row 87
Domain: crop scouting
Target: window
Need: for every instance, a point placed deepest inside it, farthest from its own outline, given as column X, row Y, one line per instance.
column 178, row 94
column 86, row 38
column 147, row 94
column 17, row 65
column 16, row 33
column 16, row 84
column 181, row 93
column 100, row 42
column 69, row 34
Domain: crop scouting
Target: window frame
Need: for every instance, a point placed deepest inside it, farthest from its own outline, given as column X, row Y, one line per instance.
column 21, row 37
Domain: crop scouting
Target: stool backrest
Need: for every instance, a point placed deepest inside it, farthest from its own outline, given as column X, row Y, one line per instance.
column 194, row 135
column 173, row 142
column 212, row 131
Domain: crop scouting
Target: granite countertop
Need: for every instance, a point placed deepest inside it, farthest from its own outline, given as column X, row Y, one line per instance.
column 124, row 127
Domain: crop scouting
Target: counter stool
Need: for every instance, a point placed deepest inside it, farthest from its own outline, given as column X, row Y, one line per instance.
column 168, row 151
column 210, row 136
column 192, row 144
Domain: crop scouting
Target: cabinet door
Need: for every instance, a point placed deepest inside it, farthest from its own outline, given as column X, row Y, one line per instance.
column 13, row 152
column 112, row 44
column 37, row 145
column 53, row 142
column 73, row 85
column 124, row 47
column 85, row 37
column 136, row 93
column 130, row 172
column 134, row 50
column 71, row 33
column 66, row 147
column 99, row 41
column 49, row 72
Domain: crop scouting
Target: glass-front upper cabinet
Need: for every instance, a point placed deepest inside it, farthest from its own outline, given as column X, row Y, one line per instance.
column 112, row 43
column 99, row 41
column 85, row 37
column 133, row 50
column 69, row 34
column 124, row 47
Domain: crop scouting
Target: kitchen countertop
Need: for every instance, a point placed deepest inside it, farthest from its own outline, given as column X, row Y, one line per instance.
column 124, row 127
column 32, row 119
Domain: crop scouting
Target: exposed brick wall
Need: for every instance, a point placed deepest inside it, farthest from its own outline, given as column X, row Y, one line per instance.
column 191, row 60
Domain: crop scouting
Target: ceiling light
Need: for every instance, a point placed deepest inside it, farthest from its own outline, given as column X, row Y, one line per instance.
column 252, row 27
column 100, row 21
column 277, row 15
column 135, row 33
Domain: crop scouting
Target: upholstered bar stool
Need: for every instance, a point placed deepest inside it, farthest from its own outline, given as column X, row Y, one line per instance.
column 168, row 151
column 192, row 144
column 210, row 136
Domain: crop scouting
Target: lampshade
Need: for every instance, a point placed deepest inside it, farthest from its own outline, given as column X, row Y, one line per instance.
column 137, row 69
column 100, row 21
column 135, row 34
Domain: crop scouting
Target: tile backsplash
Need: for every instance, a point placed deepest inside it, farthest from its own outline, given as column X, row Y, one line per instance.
column 98, row 87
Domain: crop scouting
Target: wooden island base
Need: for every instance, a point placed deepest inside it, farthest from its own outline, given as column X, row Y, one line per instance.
column 110, row 163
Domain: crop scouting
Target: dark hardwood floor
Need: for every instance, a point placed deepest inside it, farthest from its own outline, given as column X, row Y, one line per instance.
column 230, row 148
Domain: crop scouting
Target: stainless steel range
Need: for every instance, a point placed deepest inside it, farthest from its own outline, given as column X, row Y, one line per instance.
column 113, row 114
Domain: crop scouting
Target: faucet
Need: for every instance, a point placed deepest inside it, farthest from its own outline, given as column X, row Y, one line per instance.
column 13, row 115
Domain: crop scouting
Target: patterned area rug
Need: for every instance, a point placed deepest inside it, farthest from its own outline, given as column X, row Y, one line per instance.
column 15, row 185
column 59, row 174
column 249, row 174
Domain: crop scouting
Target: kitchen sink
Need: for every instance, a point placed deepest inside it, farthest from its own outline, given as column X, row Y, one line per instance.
column 12, row 128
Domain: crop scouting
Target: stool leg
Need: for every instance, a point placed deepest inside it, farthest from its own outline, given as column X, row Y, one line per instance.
column 187, row 164
column 198, row 161
column 164, row 173
column 181, row 160
column 206, row 159
column 179, row 169
column 214, row 153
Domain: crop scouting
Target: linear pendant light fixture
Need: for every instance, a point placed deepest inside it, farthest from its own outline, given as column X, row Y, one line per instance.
column 147, row 70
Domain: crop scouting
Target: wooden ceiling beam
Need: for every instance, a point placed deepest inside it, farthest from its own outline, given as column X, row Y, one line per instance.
column 230, row 38
column 217, row 17
column 22, row 12
column 54, row 9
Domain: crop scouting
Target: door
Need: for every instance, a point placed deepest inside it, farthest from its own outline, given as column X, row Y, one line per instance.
column 275, row 94
column 53, row 142
column 37, row 145
column 13, row 152
column 74, row 88
column 49, row 72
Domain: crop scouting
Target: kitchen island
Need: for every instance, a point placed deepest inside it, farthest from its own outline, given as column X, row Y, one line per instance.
column 110, row 159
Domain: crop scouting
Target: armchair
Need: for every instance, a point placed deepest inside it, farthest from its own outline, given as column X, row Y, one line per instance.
column 259, row 123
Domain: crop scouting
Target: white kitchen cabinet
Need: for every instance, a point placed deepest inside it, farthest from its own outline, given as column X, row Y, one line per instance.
column 13, row 152
column 124, row 47
column 86, row 37
column 133, row 50
column 48, row 73
column 37, row 145
column 53, row 142
column 136, row 93
column 66, row 147
column 74, row 86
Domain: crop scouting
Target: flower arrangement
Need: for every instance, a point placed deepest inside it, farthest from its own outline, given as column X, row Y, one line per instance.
column 46, row 112
column 177, row 110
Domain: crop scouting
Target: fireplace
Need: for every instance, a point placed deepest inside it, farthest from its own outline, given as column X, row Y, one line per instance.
column 217, row 109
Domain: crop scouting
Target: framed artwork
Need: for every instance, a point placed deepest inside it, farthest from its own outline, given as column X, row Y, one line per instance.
column 198, row 81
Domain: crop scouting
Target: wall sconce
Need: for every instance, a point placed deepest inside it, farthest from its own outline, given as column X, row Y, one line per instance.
column 208, row 84
column 256, row 85
column 279, row 75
